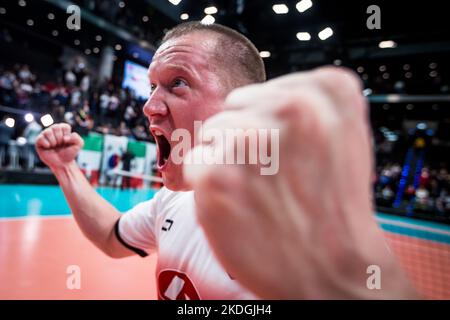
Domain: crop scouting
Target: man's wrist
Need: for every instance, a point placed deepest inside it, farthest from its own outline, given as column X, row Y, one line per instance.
column 64, row 171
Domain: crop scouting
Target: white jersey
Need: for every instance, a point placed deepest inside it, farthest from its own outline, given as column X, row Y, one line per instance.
column 187, row 267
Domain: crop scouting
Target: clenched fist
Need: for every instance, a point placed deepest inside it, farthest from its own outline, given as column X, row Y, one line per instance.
column 308, row 231
column 57, row 146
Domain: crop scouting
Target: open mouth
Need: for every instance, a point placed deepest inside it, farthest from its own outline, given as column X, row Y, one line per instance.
column 163, row 149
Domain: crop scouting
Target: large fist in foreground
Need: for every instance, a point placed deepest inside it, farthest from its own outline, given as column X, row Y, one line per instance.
column 307, row 231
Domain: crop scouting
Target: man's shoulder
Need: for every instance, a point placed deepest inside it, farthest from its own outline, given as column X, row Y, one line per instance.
column 164, row 195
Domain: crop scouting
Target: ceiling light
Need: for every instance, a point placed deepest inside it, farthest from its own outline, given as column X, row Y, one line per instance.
column 21, row 141
column 145, row 18
column 30, row 22
column 184, row 16
column 303, row 36
column 121, row 4
column 29, row 117
column 280, row 8
column 77, row 42
column 175, row 2
column 10, row 122
column 22, row 3
column 210, row 10
column 96, row 50
column 208, row 19
column 304, row 5
column 87, row 51
column 98, row 38
column 118, row 47
column 51, row 16
column 2, row 10
column 47, row 120
column 325, row 33
column 264, row 54
column 55, row 33
column 387, row 44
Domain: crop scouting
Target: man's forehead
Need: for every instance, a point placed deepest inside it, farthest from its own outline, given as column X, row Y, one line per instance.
column 198, row 44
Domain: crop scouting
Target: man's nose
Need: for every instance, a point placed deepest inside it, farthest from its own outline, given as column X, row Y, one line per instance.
column 155, row 105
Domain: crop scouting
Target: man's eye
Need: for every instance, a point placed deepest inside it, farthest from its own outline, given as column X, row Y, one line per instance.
column 152, row 88
column 179, row 83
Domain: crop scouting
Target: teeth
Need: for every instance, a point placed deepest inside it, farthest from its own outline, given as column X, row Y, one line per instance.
column 158, row 133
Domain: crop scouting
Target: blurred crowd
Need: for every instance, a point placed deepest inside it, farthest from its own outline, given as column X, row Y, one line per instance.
column 123, row 14
column 431, row 193
column 106, row 109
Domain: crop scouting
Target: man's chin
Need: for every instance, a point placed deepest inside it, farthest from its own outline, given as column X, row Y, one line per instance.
column 175, row 183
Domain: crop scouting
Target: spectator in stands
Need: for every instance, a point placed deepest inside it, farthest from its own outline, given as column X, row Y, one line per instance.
column 83, row 120
column 58, row 114
column 75, row 99
column 24, row 73
column 61, row 96
column 410, row 192
column 127, row 157
column 422, row 196
column 105, row 98
column 30, row 133
column 124, row 130
column 424, row 177
column 130, row 114
column 139, row 133
column 443, row 202
column 5, row 135
column 69, row 78
column 113, row 108
column 7, row 81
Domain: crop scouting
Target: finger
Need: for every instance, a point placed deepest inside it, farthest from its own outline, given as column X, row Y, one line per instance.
column 48, row 134
column 66, row 129
column 74, row 138
column 345, row 87
column 57, row 133
column 42, row 142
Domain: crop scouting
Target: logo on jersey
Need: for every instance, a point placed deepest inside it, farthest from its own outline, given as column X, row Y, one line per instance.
column 167, row 225
column 174, row 285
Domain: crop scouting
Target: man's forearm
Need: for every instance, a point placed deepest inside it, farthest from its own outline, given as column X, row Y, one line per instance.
column 94, row 215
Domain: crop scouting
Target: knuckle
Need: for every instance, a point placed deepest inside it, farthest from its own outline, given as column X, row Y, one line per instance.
column 237, row 97
column 66, row 126
column 211, row 179
column 234, row 96
column 339, row 79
